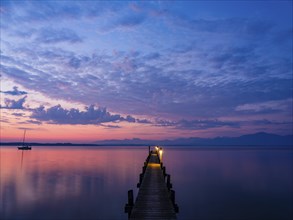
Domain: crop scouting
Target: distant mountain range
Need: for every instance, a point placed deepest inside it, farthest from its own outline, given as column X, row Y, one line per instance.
column 259, row 139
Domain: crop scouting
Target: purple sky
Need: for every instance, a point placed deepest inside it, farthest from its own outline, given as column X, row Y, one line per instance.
column 147, row 69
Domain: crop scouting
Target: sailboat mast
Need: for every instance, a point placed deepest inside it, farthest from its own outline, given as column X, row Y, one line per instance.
column 23, row 137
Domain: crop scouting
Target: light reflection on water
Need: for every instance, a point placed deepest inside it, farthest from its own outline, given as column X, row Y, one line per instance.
column 92, row 183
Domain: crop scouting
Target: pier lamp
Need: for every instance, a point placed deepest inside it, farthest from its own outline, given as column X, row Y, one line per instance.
column 161, row 154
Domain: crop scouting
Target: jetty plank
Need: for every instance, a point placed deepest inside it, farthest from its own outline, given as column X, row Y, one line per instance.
column 153, row 199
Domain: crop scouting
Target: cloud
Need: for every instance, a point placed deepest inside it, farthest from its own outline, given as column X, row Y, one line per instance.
column 34, row 11
column 164, row 85
column 231, row 25
column 25, row 128
column 130, row 21
column 91, row 115
column 143, row 121
column 15, row 92
column 50, row 35
column 198, row 68
column 269, row 122
column 152, row 56
column 18, row 114
column 196, row 124
column 33, row 122
column 165, row 123
column 125, row 22
column 205, row 124
column 59, row 115
column 129, row 118
column 111, row 126
column 14, row 104
column 267, row 107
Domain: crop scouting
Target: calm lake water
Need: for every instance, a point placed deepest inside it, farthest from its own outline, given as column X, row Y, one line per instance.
column 92, row 183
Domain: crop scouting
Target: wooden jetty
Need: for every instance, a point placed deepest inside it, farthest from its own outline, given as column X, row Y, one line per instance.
column 155, row 199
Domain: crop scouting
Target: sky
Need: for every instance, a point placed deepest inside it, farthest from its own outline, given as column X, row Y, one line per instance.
column 81, row 71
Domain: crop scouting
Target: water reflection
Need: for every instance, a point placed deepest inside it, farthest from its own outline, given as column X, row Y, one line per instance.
column 237, row 184
column 67, row 183
column 92, row 183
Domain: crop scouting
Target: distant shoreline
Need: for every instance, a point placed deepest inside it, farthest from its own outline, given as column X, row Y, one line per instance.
column 46, row 144
column 199, row 146
column 260, row 139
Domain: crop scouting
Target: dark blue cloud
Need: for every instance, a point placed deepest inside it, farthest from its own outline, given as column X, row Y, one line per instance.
column 269, row 107
column 233, row 25
column 41, row 11
column 14, row 104
column 205, row 124
column 59, row 115
column 125, row 22
column 25, row 128
column 33, row 122
column 53, row 10
column 91, row 115
column 129, row 118
column 74, row 62
column 197, row 124
column 130, row 21
column 269, row 122
column 18, row 114
column 152, row 56
column 50, row 35
column 15, row 92
column 111, row 126
column 143, row 121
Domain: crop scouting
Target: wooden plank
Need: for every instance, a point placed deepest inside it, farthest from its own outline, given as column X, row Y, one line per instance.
column 153, row 199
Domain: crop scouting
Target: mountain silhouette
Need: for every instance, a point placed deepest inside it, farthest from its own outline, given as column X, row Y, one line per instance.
column 259, row 139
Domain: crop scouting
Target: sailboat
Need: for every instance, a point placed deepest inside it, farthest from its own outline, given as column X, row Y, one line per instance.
column 24, row 146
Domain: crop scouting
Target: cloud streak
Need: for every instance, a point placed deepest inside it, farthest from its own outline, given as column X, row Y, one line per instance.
column 267, row 107
column 50, row 35
column 197, row 124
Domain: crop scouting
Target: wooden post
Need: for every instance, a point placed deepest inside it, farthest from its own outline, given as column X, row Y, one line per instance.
column 130, row 197
column 164, row 171
column 140, row 180
column 130, row 204
column 169, row 184
column 172, row 196
column 149, row 150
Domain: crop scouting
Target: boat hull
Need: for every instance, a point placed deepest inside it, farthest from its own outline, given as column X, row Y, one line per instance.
column 24, row 148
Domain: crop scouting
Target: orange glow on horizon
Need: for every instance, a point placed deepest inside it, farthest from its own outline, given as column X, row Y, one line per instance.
column 52, row 133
